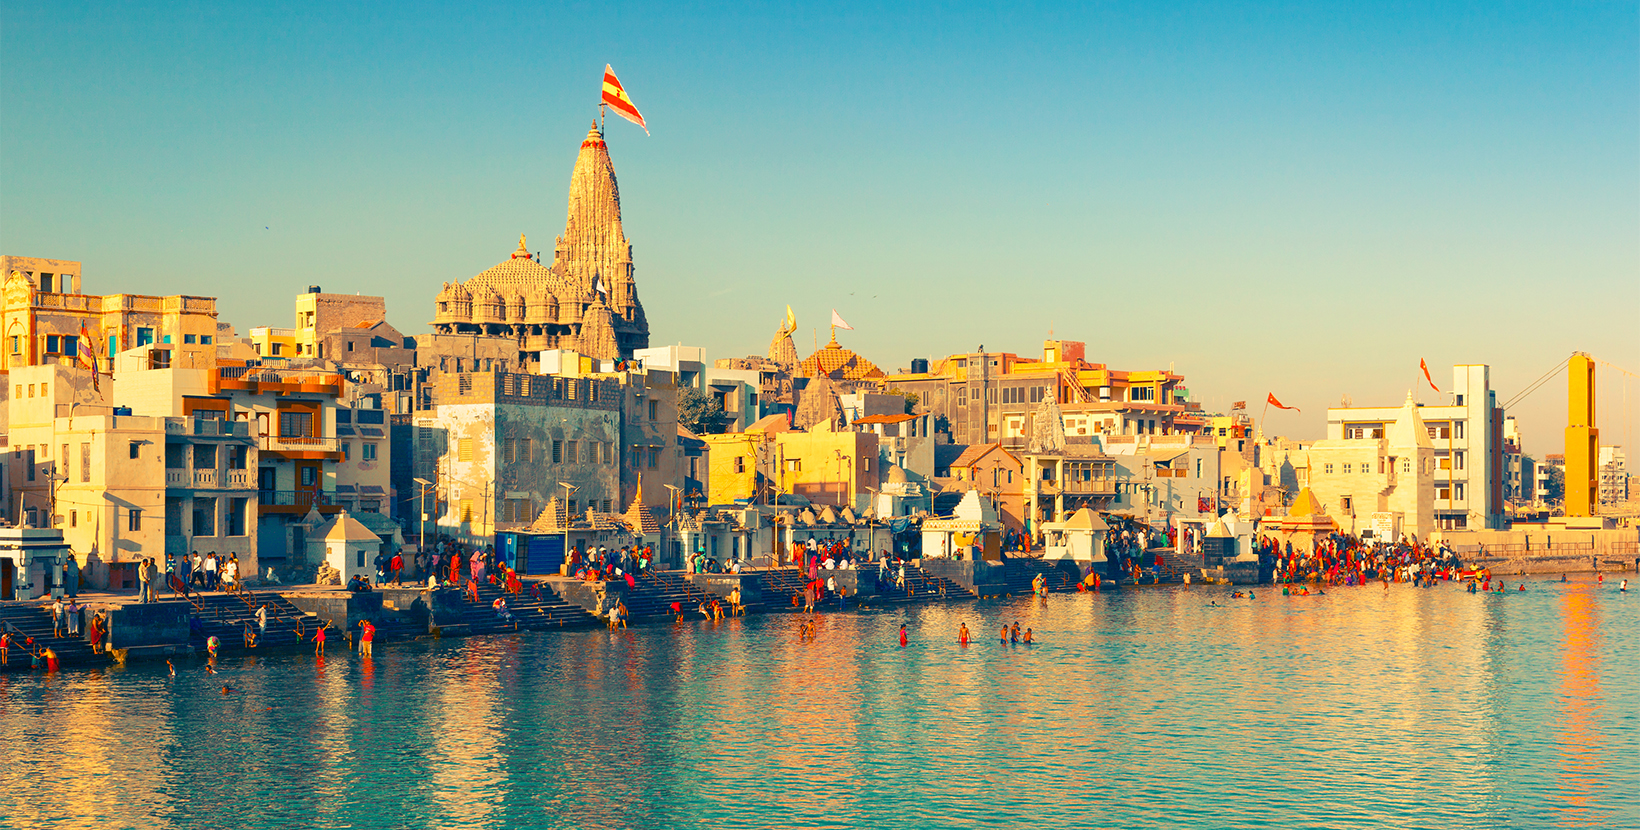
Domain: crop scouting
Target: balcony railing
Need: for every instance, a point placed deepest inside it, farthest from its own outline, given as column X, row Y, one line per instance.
column 1096, row 487
column 208, row 479
column 207, row 426
column 299, row 443
column 303, row 499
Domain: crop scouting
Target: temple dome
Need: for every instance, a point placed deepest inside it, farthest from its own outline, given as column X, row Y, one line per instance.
column 839, row 363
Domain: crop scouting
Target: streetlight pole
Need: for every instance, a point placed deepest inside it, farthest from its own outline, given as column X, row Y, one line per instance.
column 421, row 540
column 568, row 488
column 672, row 511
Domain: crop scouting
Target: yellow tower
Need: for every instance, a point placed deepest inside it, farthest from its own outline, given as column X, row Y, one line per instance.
column 1582, row 439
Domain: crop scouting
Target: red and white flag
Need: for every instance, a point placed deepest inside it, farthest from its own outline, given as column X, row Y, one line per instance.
column 1425, row 366
column 1271, row 400
column 837, row 321
column 615, row 96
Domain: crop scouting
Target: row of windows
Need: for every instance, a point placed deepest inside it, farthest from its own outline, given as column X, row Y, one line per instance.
column 31, row 386
column 522, row 450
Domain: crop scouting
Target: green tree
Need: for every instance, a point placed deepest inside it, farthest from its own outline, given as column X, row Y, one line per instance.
column 700, row 413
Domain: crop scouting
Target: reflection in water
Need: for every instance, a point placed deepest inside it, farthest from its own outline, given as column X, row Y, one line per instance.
column 1579, row 736
column 1154, row 708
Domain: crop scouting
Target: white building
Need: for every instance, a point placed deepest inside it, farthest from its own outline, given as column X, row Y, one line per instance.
column 1466, row 435
column 736, row 390
column 1614, row 476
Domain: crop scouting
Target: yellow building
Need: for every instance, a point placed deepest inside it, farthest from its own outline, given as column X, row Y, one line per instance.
column 274, row 342
column 42, row 311
column 769, row 458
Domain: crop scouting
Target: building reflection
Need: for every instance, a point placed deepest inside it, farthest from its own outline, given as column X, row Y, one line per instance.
column 1580, row 743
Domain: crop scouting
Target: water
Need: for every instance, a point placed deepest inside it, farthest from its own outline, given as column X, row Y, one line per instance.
column 1149, row 708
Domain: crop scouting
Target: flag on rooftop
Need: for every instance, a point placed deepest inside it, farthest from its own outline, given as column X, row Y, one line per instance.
column 1238, row 405
column 1425, row 366
column 837, row 321
column 615, row 96
column 1271, row 400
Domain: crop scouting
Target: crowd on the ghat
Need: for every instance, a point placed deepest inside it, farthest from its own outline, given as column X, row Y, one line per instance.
column 1347, row 560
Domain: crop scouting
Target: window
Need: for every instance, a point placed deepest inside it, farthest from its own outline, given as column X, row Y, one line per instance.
column 1457, row 460
column 740, row 464
column 1348, row 468
column 865, row 465
column 145, row 336
column 310, row 476
column 295, row 424
column 28, row 459
column 464, row 384
column 136, row 450
column 51, row 344
column 1345, row 503
column 654, row 458
column 794, row 465
column 31, row 390
column 464, row 449
column 653, row 408
column 71, row 346
column 205, row 339
column 557, row 451
column 73, row 518
column 347, row 449
column 606, row 501
column 572, row 453
column 189, row 339
column 1327, row 468
column 237, row 458
column 276, row 348
column 204, row 517
column 85, row 462
column 367, row 451
column 133, row 520
column 1406, row 466
column 236, row 516
column 526, row 450
column 1142, row 393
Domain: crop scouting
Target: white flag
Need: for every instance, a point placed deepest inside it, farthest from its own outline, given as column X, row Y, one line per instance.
column 837, row 321
column 598, row 286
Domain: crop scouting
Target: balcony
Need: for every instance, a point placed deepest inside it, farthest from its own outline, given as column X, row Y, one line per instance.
column 207, row 427
column 1096, row 487
column 208, row 479
column 302, row 446
column 295, row 501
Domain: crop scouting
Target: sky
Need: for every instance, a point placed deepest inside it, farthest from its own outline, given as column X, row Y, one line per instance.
column 1302, row 199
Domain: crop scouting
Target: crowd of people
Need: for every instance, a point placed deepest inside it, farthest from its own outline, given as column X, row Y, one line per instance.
column 1344, row 560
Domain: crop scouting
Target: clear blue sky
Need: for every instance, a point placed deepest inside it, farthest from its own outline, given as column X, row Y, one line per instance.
column 1301, row 198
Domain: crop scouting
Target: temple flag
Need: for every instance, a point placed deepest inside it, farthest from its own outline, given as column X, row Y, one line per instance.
column 86, row 349
column 791, row 319
column 1425, row 366
column 837, row 321
column 615, row 96
column 1271, row 400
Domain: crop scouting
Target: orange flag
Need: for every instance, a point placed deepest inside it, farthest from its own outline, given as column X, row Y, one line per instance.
column 1425, row 366
column 615, row 96
column 1271, row 400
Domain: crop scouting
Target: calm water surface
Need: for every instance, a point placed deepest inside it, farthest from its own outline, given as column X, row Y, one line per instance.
column 1149, row 708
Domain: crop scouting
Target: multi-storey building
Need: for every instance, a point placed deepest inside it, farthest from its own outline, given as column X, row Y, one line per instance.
column 1381, row 475
column 993, row 396
column 1614, row 476
column 1467, row 440
column 42, row 313
column 319, row 314
column 498, row 445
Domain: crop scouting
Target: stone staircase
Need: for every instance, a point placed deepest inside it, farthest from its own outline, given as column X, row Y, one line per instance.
column 528, row 612
column 657, row 590
column 26, row 620
column 778, row 586
column 1018, row 574
column 921, row 586
column 226, row 616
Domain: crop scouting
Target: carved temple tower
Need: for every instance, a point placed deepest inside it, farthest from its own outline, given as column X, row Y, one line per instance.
column 586, row 301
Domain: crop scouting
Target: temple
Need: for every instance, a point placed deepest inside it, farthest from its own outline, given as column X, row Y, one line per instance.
column 587, row 301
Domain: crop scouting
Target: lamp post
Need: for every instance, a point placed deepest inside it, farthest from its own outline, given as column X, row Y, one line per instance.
column 568, row 488
column 672, row 511
column 421, row 535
